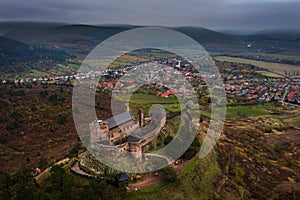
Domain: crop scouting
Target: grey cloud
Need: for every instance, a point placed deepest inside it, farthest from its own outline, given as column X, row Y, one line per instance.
column 209, row 13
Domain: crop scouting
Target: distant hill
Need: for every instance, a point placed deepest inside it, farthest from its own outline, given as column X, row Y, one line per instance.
column 6, row 27
column 80, row 39
column 265, row 41
column 19, row 57
column 49, row 41
column 92, row 32
column 212, row 40
column 77, row 40
column 288, row 35
column 204, row 35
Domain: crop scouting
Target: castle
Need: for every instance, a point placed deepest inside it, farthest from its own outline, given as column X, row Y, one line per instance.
column 126, row 133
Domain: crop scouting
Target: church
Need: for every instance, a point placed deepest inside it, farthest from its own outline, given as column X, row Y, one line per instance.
column 126, row 133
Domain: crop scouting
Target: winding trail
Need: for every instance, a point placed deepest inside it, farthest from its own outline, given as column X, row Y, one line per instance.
column 76, row 169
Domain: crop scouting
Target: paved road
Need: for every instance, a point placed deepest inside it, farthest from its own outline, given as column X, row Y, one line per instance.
column 167, row 158
column 287, row 88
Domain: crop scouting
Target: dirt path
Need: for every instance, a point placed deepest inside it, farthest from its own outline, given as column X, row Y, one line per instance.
column 148, row 181
column 182, row 165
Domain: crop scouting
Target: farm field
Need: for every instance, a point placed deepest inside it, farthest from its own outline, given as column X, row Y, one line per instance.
column 242, row 111
column 274, row 67
column 145, row 101
column 269, row 74
column 248, row 111
column 268, row 55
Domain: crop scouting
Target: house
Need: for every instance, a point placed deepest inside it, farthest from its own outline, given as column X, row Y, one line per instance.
column 252, row 91
column 37, row 171
column 164, row 95
column 290, row 96
column 137, row 177
column 122, row 178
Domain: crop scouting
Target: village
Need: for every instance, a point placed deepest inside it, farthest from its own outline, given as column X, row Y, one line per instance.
column 240, row 85
column 264, row 89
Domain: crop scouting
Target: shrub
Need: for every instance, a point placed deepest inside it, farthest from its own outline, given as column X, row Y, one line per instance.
column 61, row 119
column 53, row 99
column 74, row 151
column 12, row 126
column 168, row 139
column 192, row 150
column 168, row 174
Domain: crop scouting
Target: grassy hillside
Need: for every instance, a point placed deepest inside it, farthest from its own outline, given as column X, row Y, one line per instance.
column 195, row 182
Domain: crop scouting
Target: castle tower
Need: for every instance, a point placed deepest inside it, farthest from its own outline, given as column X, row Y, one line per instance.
column 135, row 147
column 141, row 117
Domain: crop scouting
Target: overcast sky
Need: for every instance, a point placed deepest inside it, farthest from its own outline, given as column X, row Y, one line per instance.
column 217, row 14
